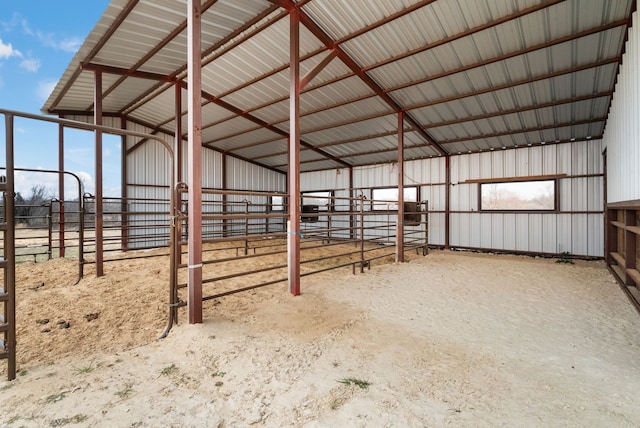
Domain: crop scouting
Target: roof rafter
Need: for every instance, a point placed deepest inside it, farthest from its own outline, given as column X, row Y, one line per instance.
column 178, row 73
column 321, row 35
column 461, row 120
column 441, row 100
column 263, row 124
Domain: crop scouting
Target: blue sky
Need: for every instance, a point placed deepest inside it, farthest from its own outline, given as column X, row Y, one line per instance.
column 38, row 40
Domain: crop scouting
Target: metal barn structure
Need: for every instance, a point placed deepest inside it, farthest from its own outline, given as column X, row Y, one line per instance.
column 502, row 125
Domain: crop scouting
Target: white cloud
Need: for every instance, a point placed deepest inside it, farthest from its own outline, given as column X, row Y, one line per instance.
column 69, row 44
column 8, row 26
column 25, row 27
column 87, row 181
column 7, row 51
column 45, row 88
column 30, row 64
column 25, row 180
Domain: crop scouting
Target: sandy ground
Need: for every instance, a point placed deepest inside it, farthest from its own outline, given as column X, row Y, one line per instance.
column 451, row 339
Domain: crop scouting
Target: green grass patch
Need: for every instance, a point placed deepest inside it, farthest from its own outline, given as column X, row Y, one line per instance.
column 362, row 384
column 166, row 371
column 86, row 369
column 125, row 392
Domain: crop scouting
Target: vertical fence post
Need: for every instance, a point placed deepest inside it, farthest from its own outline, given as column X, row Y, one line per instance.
column 9, row 254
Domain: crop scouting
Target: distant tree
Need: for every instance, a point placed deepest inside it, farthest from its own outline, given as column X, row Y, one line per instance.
column 33, row 210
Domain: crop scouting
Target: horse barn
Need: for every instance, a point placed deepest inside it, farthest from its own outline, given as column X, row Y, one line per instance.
column 382, row 212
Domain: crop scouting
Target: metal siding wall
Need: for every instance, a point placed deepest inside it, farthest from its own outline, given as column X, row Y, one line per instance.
column 243, row 175
column 510, row 235
column 324, row 180
column 148, row 165
column 577, row 233
column 622, row 134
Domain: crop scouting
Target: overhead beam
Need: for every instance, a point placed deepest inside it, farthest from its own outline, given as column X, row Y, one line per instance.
column 163, row 43
column 125, row 72
column 474, row 30
column 225, row 42
column 268, row 126
column 477, row 137
column 317, row 69
column 456, row 121
column 319, row 33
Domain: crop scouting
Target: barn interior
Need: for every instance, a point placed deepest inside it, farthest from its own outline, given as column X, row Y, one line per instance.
column 374, row 128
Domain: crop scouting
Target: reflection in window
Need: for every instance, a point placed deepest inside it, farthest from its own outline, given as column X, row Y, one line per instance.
column 277, row 203
column 320, row 199
column 518, row 196
column 387, row 199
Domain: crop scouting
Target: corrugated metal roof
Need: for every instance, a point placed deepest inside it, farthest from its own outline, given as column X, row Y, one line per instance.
column 471, row 76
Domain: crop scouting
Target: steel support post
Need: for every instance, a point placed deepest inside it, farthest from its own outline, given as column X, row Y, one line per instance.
column 293, row 226
column 352, row 206
column 97, row 115
column 447, row 201
column 9, row 251
column 61, row 250
column 400, row 222
column 194, row 85
column 124, row 190
column 177, row 161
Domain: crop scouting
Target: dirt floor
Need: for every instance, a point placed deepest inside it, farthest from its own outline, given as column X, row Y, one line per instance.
column 451, row 339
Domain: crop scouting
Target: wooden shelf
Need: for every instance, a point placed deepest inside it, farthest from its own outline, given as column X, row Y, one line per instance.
column 634, row 275
column 619, row 271
column 617, row 257
column 618, row 224
column 634, row 229
column 634, row 291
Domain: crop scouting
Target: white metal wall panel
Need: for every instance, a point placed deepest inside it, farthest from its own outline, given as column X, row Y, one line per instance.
column 325, row 180
column 578, row 232
column 549, row 232
column 211, row 167
column 247, row 176
column 595, row 241
column 622, row 135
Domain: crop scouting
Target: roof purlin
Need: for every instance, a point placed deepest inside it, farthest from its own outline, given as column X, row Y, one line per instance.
column 349, row 62
column 463, row 120
column 397, row 58
column 133, row 104
column 268, row 126
column 440, row 100
column 153, row 51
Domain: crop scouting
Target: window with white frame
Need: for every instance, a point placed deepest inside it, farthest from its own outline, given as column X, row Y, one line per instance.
column 322, row 199
column 386, row 199
column 537, row 195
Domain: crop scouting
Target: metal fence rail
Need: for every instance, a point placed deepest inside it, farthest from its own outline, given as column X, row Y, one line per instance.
column 239, row 235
